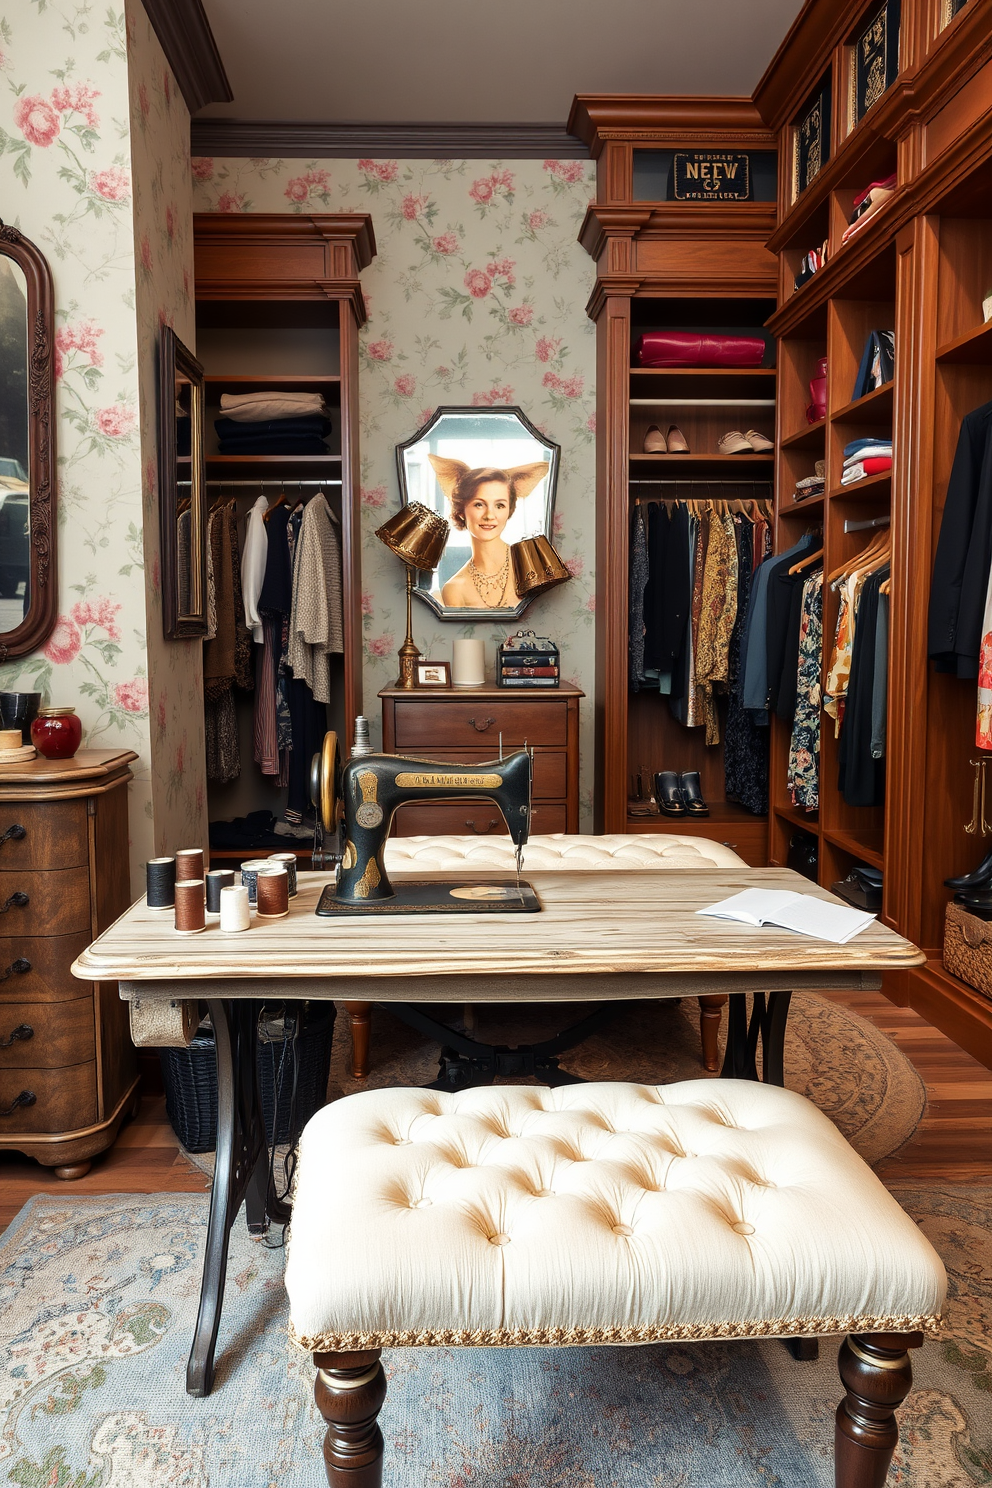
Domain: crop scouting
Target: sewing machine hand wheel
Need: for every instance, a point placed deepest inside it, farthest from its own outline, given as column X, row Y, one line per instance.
column 325, row 782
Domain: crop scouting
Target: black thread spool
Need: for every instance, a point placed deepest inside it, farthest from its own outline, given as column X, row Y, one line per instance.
column 160, row 883
column 217, row 879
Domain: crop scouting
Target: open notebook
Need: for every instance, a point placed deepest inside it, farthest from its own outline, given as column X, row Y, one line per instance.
column 800, row 912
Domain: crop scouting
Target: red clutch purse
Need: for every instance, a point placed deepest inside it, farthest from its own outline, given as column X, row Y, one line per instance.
column 697, row 349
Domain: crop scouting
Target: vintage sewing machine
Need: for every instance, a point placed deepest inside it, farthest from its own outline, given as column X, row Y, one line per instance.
column 372, row 786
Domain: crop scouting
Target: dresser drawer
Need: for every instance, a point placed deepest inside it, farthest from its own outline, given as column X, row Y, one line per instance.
column 470, row 818
column 58, row 902
column 55, row 835
column 467, row 722
column 550, row 769
column 65, row 1099
column 61, row 1033
column 47, row 977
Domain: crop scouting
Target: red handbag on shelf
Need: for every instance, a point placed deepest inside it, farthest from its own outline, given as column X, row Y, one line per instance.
column 698, row 349
column 817, row 409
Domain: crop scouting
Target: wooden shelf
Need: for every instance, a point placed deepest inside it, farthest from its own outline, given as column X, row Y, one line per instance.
column 812, row 437
column 721, row 460
column 973, row 348
column 873, row 406
column 278, row 381
column 704, row 382
column 721, row 812
column 872, row 486
column 801, row 508
column 290, row 467
column 797, row 817
column 864, row 845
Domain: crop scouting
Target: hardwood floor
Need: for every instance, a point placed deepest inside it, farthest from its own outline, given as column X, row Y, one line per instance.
column 952, row 1144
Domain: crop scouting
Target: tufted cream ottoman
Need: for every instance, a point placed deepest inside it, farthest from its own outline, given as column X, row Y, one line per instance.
column 562, row 851
column 592, row 1214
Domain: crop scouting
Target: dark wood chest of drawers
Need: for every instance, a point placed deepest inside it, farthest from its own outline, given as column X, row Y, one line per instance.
column 466, row 727
column 68, row 1074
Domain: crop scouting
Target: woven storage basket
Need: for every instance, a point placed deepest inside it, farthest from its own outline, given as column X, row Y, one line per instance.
column 968, row 948
column 190, row 1077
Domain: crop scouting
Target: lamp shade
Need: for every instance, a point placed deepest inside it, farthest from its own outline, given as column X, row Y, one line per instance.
column 536, row 566
column 415, row 534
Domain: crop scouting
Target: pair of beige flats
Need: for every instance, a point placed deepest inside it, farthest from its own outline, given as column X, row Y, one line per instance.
column 672, row 443
column 736, row 443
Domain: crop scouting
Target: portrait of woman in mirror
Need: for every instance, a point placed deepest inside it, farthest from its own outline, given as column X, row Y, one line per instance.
column 481, row 503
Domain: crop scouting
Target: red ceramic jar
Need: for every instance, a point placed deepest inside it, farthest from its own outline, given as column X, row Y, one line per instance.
column 56, row 732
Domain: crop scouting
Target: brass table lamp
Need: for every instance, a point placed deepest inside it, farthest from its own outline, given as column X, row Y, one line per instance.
column 418, row 536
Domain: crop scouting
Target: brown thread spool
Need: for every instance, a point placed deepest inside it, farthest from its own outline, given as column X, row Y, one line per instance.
column 190, row 918
column 189, row 864
column 273, row 893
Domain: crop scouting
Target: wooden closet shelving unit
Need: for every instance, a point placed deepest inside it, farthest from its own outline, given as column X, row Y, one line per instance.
column 279, row 306
column 921, row 266
column 665, row 264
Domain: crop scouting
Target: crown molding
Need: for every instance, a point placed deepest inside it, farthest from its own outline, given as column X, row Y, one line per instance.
column 265, row 139
column 190, row 50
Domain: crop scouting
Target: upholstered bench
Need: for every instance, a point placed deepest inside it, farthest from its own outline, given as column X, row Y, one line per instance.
column 564, row 852
column 598, row 1214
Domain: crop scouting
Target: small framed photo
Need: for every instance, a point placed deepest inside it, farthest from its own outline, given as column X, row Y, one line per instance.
column 433, row 673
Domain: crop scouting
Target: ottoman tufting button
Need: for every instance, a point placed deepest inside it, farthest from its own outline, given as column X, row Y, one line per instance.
column 622, row 1229
column 499, row 1239
column 543, row 1193
column 423, row 1204
column 743, row 1228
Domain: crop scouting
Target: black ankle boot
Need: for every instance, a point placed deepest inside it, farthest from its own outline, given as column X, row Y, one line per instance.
column 981, row 878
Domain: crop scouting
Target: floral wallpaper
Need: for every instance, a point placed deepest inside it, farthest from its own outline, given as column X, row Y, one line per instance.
column 477, row 296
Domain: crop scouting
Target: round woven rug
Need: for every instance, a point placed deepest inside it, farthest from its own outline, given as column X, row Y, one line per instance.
column 837, row 1059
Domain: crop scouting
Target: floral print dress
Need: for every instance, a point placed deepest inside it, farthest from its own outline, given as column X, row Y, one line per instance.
column 804, row 748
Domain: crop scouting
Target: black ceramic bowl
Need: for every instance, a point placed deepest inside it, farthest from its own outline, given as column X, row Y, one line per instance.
column 18, row 710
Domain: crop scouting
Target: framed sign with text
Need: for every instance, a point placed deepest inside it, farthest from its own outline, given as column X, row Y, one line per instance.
column 811, row 139
column 874, row 60
column 710, row 175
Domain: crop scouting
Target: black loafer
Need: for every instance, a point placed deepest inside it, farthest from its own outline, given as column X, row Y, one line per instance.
column 668, row 793
column 692, row 794
column 979, row 878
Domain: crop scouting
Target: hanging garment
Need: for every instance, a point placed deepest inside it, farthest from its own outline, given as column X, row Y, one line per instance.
column 860, row 777
column 266, row 737
column 839, row 671
column 804, row 745
column 223, row 749
column 654, row 593
column 253, row 566
column 309, row 723
column 755, row 660
column 718, row 611
column 676, row 598
column 690, row 710
column 880, row 686
column 212, row 549
column 745, row 749
column 964, row 552
column 784, row 699
column 317, row 619
column 218, row 654
column 244, row 663
column 638, row 583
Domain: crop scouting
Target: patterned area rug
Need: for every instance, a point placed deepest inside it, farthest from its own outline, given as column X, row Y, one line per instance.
column 97, row 1303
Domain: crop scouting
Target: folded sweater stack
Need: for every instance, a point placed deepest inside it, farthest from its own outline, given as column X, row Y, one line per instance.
column 272, row 423
column 864, row 457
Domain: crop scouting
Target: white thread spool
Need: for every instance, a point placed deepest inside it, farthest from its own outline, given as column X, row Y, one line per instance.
column 235, row 912
column 468, row 662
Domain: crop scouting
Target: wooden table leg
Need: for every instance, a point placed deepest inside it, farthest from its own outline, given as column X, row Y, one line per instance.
column 360, row 1017
column 349, row 1392
column 877, row 1376
column 239, row 1170
column 711, row 1007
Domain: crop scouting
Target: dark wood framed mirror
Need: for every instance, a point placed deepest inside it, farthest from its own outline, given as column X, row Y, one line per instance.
column 28, row 527
column 182, row 490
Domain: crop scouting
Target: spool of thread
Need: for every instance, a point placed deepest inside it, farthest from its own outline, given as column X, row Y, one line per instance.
column 217, row 879
column 287, row 861
column 363, row 743
column 273, row 893
column 235, row 913
column 468, row 662
column 189, row 864
column 190, row 919
column 160, row 883
column 249, row 875
column 10, row 739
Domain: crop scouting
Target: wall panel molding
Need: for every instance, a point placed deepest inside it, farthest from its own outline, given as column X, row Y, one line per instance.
column 264, row 139
column 191, row 51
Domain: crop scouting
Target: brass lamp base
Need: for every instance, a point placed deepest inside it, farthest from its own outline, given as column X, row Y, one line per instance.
column 409, row 651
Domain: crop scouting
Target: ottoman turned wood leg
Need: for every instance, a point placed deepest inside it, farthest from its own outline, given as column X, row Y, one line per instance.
column 876, row 1373
column 360, row 1017
column 349, row 1392
column 711, row 1008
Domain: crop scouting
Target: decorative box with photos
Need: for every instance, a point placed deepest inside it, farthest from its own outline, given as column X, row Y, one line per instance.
column 527, row 660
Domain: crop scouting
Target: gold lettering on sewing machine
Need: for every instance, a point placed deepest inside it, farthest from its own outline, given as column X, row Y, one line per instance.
column 410, row 781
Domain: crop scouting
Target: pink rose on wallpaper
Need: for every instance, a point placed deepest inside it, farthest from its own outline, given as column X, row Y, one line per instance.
column 537, row 219
column 230, row 201
column 161, row 717
column 77, row 100
column 170, row 223
column 591, row 604
column 297, row 189
column 115, row 421
column 572, row 386
column 380, row 170
column 574, row 566
column 503, row 178
column 147, row 261
column 202, row 167
column 443, row 372
column 521, row 315
column 426, row 414
column 381, row 645
column 81, row 338
column 501, row 268
column 591, row 423
column 373, row 496
column 481, row 191
column 412, row 206
column 319, row 179
column 495, row 395
column 406, row 385
column 558, row 525
column 547, row 348
column 569, row 171
column 553, row 381
column 367, row 605
column 132, row 696
column 381, row 351
column 113, row 184
column 63, row 643
column 102, row 612
column 478, row 283
column 446, row 243
column 36, row 119
column 143, row 102
column 180, row 765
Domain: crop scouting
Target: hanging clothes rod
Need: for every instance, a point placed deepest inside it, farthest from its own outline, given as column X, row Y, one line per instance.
column 702, row 402
column 864, row 526
column 698, row 480
column 254, row 485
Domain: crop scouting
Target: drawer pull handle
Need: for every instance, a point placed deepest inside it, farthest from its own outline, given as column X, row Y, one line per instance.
column 26, row 1098
column 20, row 966
column 13, row 834
column 21, row 1033
column 481, row 831
column 15, row 901
column 480, row 728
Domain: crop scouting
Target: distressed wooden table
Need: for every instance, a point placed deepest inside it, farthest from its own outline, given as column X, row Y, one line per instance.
column 600, row 937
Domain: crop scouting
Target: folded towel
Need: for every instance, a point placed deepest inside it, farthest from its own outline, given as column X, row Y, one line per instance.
column 859, row 446
column 300, row 444
column 861, row 469
column 873, row 452
column 311, row 423
column 253, row 408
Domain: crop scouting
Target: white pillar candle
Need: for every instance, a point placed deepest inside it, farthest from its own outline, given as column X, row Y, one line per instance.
column 234, row 911
column 468, row 664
